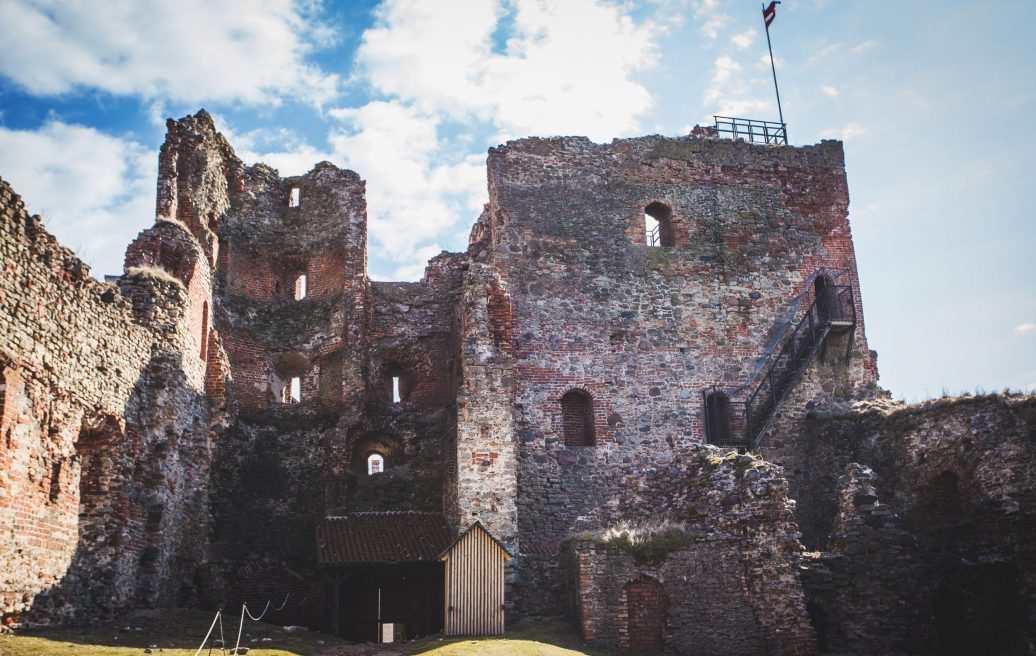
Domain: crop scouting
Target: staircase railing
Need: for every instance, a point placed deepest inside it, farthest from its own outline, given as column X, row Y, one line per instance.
column 740, row 416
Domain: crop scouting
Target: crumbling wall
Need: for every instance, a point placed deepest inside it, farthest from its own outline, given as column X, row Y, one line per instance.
column 927, row 518
column 719, row 537
column 643, row 330
column 105, row 425
column 272, row 331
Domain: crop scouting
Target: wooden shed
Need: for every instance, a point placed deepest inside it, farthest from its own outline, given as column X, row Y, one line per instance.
column 475, row 583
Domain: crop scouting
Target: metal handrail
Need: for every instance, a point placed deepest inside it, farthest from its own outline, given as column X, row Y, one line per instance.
column 752, row 130
column 783, row 365
column 652, row 236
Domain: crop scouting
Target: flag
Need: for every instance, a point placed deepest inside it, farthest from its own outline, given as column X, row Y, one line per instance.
column 770, row 13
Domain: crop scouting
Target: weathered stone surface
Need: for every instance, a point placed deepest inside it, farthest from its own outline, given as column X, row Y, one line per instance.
column 173, row 440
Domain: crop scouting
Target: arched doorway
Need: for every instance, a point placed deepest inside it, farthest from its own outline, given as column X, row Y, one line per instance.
column 645, row 613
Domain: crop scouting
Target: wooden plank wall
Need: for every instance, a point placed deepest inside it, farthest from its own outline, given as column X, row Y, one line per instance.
column 475, row 585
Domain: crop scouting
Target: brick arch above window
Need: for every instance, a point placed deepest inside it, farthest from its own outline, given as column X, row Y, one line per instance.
column 577, row 418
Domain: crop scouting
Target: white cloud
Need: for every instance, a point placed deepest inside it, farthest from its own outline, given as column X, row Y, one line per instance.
column 565, row 69
column 188, row 51
column 764, row 62
column 728, row 94
column 863, row 46
column 850, row 131
column 415, row 191
column 712, row 20
column 824, row 53
column 1025, row 328
column 744, row 39
column 281, row 148
column 95, row 191
column 829, row 91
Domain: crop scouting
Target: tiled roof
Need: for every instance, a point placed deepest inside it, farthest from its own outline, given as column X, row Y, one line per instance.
column 382, row 537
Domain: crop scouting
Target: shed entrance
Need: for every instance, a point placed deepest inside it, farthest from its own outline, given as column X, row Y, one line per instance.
column 407, row 596
column 383, row 570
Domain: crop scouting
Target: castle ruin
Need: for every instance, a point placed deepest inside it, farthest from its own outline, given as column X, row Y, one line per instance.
column 647, row 379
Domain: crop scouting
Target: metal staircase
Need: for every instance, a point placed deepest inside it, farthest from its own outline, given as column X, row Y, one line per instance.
column 740, row 416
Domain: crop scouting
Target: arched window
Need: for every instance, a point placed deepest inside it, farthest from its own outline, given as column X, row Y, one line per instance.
column 940, row 501
column 658, row 225
column 300, row 287
column 717, row 418
column 375, row 463
column 577, row 418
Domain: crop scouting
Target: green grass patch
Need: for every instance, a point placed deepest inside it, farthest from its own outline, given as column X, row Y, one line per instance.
column 165, row 632
column 179, row 632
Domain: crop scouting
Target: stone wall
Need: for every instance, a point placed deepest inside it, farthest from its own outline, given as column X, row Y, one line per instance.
column 643, row 330
column 927, row 518
column 550, row 386
column 103, row 493
column 722, row 544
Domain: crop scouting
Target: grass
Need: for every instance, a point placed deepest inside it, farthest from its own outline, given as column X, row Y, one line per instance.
column 528, row 638
column 169, row 633
column 153, row 272
column 179, row 632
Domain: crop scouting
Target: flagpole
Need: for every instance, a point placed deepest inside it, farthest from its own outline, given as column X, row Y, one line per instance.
column 774, row 69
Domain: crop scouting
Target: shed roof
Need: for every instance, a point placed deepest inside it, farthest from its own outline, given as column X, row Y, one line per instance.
column 475, row 525
column 382, row 537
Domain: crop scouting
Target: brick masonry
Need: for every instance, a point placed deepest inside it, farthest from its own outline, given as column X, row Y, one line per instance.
column 174, row 439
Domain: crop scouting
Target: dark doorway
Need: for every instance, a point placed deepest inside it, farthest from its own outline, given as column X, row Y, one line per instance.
column 818, row 618
column 980, row 612
column 827, row 300
column 410, row 594
column 717, row 418
column 645, row 610
column 951, row 623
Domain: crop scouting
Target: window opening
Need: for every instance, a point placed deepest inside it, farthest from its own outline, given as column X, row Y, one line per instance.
column 650, row 230
column 300, row 287
column 577, row 418
column 295, row 200
column 658, row 225
column 295, row 393
column 375, row 463
column 204, row 330
column 395, row 389
column 55, row 481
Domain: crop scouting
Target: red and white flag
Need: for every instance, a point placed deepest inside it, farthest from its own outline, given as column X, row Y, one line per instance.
column 770, row 13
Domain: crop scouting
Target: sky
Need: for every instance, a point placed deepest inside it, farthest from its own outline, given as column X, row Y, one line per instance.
column 933, row 100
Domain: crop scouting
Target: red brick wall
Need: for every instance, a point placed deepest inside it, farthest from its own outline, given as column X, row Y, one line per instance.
column 645, row 615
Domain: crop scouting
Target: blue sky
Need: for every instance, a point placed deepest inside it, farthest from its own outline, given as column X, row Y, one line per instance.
column 933, row 100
